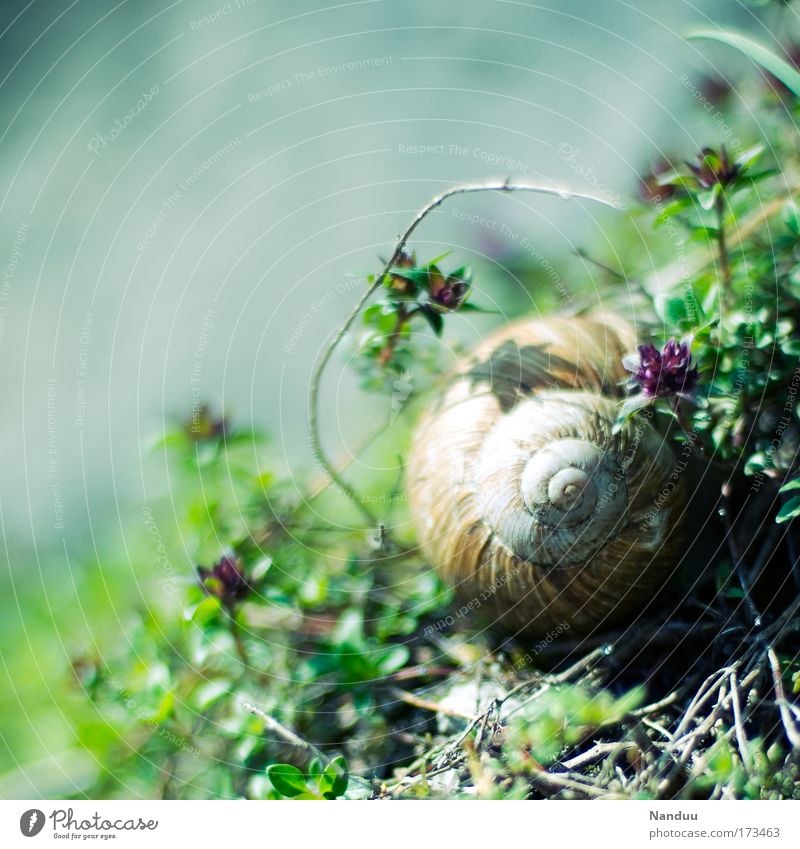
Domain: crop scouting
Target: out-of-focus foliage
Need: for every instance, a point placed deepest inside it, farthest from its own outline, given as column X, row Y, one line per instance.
column 310, row 623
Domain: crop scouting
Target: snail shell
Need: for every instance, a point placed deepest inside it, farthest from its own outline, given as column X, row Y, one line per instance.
column 525, row 499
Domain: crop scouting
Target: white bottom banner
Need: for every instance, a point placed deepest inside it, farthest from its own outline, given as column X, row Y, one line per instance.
column 614, row 824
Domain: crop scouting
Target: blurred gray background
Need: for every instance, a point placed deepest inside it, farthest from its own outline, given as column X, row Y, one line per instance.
column 186, row 187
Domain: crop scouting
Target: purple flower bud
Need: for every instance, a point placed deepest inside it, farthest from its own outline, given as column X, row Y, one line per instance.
column 204, row 425
column 665, row 373
column 714, row 167
column 448, row 292
column 403, row 284
column 225, row 579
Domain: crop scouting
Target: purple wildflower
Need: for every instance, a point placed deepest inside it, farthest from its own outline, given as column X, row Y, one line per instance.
column 665, row 373
column 225, row 579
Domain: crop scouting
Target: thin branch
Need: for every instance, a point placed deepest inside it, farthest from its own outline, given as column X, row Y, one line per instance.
column 599, row 750
column 712, row 684
column 584, row 255
column 657, row 706
column 308, row 749
column 506, row 185
column 424, row 704
column 584, row 665
column 657, row 726
column 741, row 735
column 722, row 247
column 241, row 650
column 691, row 740
column 737, row 561
column 568, row 783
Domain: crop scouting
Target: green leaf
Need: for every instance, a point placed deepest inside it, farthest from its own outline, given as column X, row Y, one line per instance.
column 755, row 463
column 260, row 569
column 264, row 480
column 748, row 156
column 788, row 487
column 246, row 437
column 791, row 216
column 711, row 300
column 694, row 310
column 437, row 259
column 433, row 318
column 708, row 198
column 671, row 178
column 381, row 316
column 756, row 51
column 464, row 273
column 629, row 407
column 671, row 309
column 702, row 234
column 163, row 709
column 417, row 276
column 287, row 779
column 672, row 209
column 205, row 611
column 173, row 439
column 391, row 659
column 350, row 629
column 749, row 180
column 335, row 778
column 790, row 510
column 705, row 330
column 210, row 692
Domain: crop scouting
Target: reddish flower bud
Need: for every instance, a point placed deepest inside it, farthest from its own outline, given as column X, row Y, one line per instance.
column 714, row 168
column 403, row 284
column 204, row 425
column 225, row 579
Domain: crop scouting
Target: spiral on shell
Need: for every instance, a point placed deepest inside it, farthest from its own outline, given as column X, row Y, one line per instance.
column 523, row 495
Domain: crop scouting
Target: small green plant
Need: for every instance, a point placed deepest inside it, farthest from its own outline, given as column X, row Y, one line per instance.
column 738, row 398
column 320, row 782
column 389, row 347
